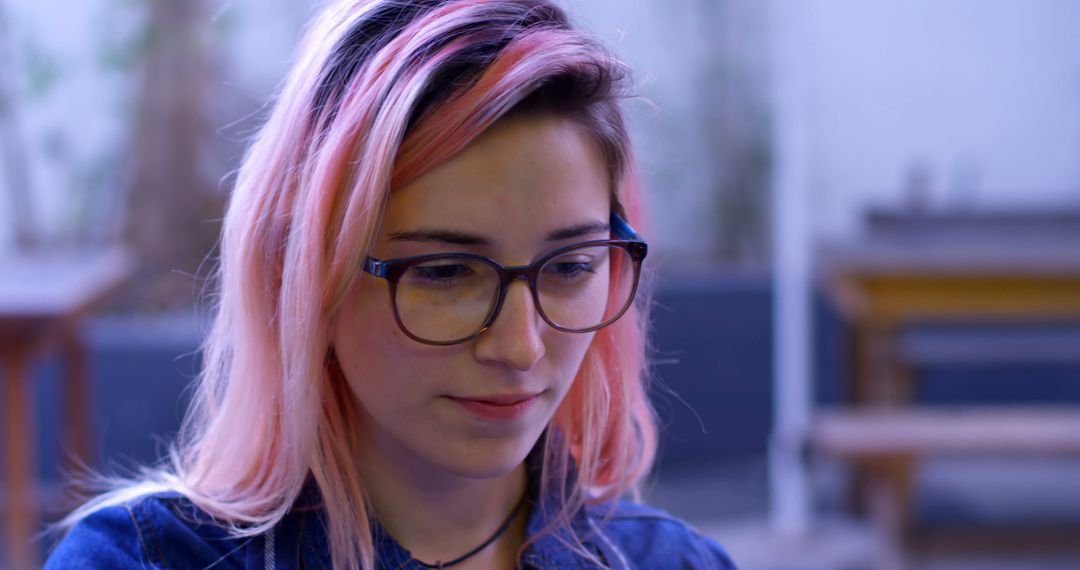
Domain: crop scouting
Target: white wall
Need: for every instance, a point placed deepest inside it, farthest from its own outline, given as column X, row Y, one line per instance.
column 683, row 53
column 664, row 46
column 985, row 93
column 260, row 40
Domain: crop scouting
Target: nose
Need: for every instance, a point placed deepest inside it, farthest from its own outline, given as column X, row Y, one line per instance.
column 513, row 340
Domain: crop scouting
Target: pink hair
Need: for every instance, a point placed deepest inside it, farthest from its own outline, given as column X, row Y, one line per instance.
column 358, row 116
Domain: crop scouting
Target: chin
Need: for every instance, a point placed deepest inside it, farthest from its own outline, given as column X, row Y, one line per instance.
column 489, row 458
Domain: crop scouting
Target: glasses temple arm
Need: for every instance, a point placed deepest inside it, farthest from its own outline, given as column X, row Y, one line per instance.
column 621, row 229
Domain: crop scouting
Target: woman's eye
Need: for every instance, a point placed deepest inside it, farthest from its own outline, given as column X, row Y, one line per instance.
column 570, row 269
column 441, row 273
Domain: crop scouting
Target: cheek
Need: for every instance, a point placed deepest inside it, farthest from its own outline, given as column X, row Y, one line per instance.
column 568, row 351
column 379, row 360
column 369, row 346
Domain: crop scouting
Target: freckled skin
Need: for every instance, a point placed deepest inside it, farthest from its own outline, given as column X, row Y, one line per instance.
column 522, row 179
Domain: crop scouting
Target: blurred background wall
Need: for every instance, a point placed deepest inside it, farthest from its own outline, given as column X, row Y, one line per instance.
column 982, row 99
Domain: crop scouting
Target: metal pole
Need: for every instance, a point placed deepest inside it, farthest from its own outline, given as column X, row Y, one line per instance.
column 788, row 485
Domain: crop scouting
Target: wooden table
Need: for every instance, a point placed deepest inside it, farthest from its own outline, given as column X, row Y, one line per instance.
column 881, row 286
column 43, row 297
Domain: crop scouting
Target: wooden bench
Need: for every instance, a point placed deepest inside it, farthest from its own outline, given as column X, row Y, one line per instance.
column 43, row 299
column 887, row 443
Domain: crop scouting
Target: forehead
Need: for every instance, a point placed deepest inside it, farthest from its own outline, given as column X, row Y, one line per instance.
column 523, row 178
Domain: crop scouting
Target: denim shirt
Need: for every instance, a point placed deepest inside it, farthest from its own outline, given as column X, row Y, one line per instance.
column 166, row 530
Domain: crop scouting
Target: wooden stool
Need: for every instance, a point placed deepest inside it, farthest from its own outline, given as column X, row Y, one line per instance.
column 886, row 444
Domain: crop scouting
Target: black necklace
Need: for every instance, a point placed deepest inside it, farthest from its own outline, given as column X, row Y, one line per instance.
column 502, row 528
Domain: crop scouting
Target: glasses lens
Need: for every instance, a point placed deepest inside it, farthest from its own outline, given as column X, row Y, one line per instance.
column 446, row 299
column 587, row 287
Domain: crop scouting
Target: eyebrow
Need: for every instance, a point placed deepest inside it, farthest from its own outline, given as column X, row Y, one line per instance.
column 463, row 238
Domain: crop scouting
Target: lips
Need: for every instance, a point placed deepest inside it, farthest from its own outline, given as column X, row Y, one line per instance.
column 504, row 400
column 498, row 408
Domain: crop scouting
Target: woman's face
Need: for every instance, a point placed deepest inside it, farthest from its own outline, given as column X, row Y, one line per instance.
column 475, row 409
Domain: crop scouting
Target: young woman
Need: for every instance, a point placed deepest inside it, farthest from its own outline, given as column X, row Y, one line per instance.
column 427, row 350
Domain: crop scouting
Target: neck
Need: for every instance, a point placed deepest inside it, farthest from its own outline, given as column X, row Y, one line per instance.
column 439, row 516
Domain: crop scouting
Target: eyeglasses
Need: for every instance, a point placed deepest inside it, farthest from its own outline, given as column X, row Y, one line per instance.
column 449, row 298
